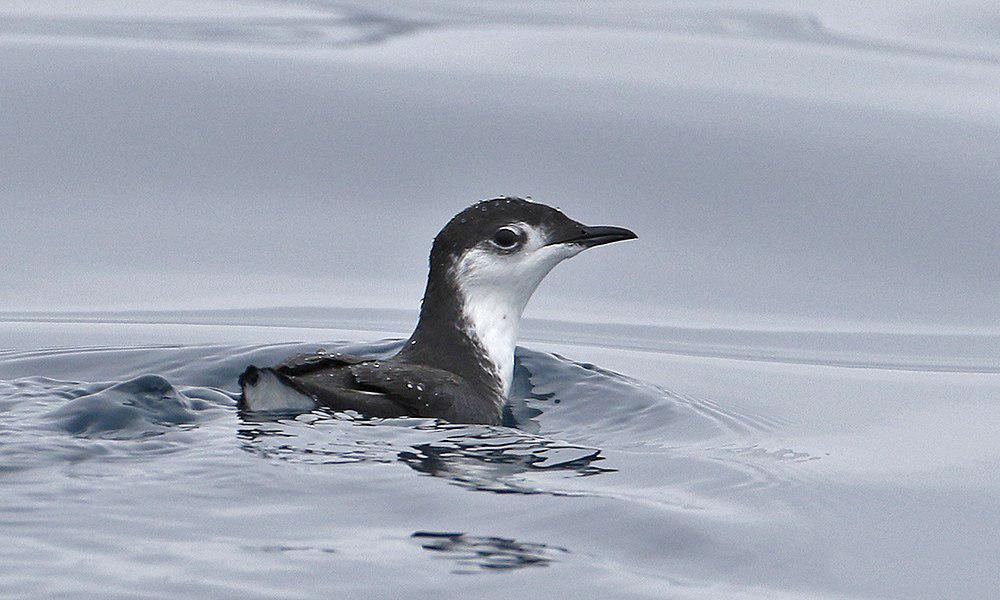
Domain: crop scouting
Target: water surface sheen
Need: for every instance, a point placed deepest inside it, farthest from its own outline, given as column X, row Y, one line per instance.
column 128, row 472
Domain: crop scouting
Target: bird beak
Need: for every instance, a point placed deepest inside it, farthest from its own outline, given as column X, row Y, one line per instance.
column 589, row 236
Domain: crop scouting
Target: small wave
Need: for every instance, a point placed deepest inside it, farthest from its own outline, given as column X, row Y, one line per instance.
column 141, row 407
column 47, row 421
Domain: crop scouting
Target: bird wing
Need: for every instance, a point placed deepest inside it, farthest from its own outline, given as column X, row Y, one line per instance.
column 301, row 364
column 326, row 378
column 384, row 388
column 425, row 391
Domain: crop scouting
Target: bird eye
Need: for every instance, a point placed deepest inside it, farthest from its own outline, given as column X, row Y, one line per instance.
column 506, row 238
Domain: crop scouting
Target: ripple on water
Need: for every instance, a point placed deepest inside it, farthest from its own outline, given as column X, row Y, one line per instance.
column 46, row 421
column 585, row 441
column 588, row 404
column 566, row 417
column 142, row 407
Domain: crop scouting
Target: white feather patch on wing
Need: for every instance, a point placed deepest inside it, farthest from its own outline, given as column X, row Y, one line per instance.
column 269, row 394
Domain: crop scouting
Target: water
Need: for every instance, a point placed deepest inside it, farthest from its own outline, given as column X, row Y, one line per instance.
column 786, row 388
column 697, row 477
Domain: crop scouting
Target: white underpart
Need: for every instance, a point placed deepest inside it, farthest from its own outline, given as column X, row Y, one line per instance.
column 268, row 394
column 495, row 289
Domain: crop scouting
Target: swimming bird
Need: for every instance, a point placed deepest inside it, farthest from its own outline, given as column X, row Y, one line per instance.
column 459, row 362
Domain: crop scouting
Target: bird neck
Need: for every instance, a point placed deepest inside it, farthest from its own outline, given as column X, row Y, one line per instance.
column 471, row 339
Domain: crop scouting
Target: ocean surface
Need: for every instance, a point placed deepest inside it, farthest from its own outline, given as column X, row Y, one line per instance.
column 787, row 388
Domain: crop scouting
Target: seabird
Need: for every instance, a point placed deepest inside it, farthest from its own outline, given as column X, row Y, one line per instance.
column 459, row 362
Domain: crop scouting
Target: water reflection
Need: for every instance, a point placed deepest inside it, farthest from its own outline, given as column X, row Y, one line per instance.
column 482, row 458
column 494, row 463
column 475, row 554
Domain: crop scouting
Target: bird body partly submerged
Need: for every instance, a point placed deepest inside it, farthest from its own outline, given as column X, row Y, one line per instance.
column 376, row 388
column 458, row 364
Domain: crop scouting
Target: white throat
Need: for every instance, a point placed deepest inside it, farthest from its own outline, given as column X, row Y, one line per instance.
column 494, row 291
column 493, row 320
